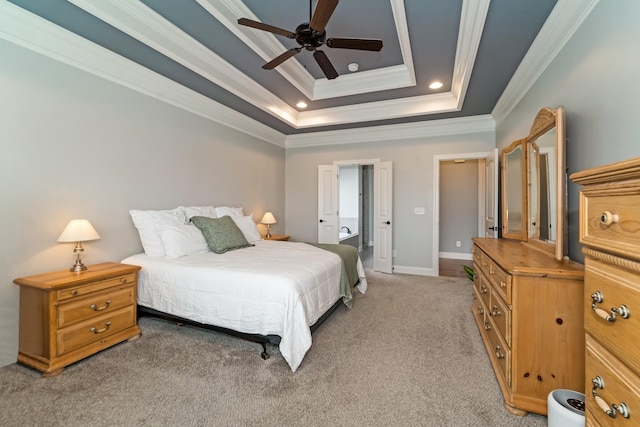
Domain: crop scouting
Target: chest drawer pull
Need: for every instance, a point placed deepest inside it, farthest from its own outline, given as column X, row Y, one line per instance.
column 480, row 309
column 613, row 410
column 483, row 289
column 99, row 331
column 105, row 306
column 607, row 218
column 487, row 326
column 495, row 311
column 622, row 311
column 499, row 354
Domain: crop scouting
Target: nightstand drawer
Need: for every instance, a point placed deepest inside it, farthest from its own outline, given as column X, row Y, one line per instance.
column 93, row 330
column 94, row 305
column 85, row 289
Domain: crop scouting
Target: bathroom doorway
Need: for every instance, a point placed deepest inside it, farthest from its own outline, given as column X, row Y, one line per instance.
column 356, row 209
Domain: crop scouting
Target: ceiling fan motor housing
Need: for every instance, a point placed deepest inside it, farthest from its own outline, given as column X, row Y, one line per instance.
column 308, row 38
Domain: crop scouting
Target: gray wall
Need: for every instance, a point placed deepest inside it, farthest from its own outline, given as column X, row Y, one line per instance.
column 412, row 187
column 595, row 77
column 73, row 145
column 458, row 205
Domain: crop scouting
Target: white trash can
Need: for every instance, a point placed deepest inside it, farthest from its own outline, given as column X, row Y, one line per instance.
column 565, row 408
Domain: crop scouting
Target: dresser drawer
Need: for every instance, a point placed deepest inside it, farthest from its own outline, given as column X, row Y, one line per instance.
column 609, row 287
column 94, row 305
column 85, row 289
column 501, row 316
column 613, row 383
column 483, row 288
column 500, row 353
column 92, row 330
column 501, row 281
column 611, row 222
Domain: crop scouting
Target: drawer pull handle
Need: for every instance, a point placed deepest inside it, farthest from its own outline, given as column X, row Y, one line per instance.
column 499, row 354
column 607, row 218
column 483, row 290
column 622, row 311
column 99, row 331
column 105, row 306
column 487, row 326
column 74, row 292
column 480, row 310
column 123, row 280
column 613, row 410
column 495, row 311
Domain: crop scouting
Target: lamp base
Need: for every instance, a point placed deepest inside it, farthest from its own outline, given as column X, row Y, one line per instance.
column 78, row 266
column 268, row 235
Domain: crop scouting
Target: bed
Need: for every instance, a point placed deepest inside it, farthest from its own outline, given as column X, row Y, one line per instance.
column 269, row 289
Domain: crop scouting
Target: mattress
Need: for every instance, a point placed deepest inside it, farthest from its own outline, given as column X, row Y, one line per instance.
column 272, row 288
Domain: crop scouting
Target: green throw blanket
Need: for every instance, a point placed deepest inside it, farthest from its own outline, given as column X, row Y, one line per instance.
column 349, row 272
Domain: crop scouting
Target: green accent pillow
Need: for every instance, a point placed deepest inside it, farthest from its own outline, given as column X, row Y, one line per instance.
column 221, row 234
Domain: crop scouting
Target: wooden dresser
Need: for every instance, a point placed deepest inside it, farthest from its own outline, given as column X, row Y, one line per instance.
column 610, row 235
column 528, row 307
column 67, row 316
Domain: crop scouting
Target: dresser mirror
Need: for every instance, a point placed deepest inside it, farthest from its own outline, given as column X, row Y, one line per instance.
column 514, row 205
column 543, row 183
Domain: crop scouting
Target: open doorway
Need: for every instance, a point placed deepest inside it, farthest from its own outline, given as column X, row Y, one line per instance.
column 485, row 188
column 356, row 209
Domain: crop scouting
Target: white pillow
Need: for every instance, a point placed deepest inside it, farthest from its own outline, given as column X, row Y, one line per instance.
column 248, row 227
column 208, row 211
column 181, row 240
column 232, row 212
column 149, row 223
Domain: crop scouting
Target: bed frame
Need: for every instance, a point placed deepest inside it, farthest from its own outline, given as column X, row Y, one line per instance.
column 257, row 338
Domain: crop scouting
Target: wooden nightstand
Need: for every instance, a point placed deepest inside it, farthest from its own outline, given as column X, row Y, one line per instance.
column 281, row 237
column 66, row 316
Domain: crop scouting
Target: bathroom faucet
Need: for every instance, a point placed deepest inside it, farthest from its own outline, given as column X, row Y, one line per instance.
column 348, row 231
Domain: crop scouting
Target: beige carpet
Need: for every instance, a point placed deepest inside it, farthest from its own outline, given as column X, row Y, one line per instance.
column 407, row 354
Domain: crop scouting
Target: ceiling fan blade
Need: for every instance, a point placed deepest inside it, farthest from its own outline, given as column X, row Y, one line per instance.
column 281, row 58
column 360, row 44
column 324, row 10
column 266, row 27
column 324, row 63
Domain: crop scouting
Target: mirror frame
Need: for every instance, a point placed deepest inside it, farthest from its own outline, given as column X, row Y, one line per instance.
column 545, row 120
column 507, row 232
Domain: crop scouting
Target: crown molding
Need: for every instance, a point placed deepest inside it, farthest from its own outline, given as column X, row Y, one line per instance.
column 563, row 21
column 152, row 29
column 472, row 20
column 456, row 126
column 39, row 35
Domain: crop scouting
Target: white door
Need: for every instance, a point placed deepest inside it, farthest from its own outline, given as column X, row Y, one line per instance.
column 491, row 195
column 328, row 204
column 383, row 217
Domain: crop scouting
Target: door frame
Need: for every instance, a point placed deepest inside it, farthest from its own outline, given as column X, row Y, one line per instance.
column 435, row 250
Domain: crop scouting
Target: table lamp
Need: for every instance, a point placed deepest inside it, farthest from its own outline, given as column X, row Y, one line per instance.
column 267, row 220
column 78, row 230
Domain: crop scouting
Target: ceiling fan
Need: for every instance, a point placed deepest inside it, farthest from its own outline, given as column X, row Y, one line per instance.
column 311, row 35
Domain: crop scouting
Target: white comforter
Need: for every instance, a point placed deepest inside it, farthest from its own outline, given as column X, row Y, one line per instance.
column 273, row 288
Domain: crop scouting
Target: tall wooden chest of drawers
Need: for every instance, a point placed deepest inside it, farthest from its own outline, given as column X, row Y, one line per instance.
column 67, row 316
column 610, row 235
column 528, row 307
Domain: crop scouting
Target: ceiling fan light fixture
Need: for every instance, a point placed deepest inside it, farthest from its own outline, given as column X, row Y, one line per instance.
column 353, row 67
column 301, row 104
column 435, row 85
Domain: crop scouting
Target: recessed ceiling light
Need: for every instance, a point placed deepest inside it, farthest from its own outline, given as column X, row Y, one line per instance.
column 435, row 85
column 353, row 67
column 301, row 104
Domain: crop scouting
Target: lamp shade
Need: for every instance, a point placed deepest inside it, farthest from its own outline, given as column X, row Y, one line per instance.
column 268, row 218
column 78, row 230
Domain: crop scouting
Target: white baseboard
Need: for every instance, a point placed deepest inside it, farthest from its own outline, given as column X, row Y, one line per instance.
column 455, row 255
column 417, row 271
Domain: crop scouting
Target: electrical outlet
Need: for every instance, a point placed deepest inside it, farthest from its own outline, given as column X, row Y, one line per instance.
column 458, row 243
column 418, row 211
